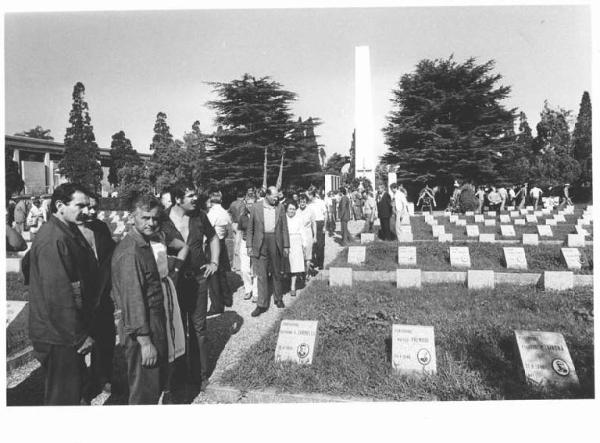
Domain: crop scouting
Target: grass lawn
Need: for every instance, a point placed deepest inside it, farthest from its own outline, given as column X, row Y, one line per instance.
column 383, row 256
column 15, row 288
column 474, row 332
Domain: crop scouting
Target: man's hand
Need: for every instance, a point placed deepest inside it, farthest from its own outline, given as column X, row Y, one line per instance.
column 86, row 346
column 209, row 269
column 149, row 353
column 286, row 252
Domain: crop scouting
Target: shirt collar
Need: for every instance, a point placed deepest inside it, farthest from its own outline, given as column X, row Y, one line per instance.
column 67, row 228
column 138, row 238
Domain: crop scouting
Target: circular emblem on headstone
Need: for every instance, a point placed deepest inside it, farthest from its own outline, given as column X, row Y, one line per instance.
column 560, row 367
column 424, row 357
column 303, row 350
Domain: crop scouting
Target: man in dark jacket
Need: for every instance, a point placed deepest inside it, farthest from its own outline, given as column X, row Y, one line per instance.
column 98, row 236
column 62, row 294
column 384, row 209
column 268, row 246
column 344, row 212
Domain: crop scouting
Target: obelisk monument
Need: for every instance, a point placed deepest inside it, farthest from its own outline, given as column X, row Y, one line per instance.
column 364, row 157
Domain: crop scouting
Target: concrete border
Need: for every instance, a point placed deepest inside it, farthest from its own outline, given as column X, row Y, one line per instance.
column 18, row 359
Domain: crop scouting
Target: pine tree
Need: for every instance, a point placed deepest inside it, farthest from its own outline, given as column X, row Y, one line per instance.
column 196, row 156
column 80, row 163
column 256, row 129
column 448, row 123
column 335, row 163
column 582, row 138
column 122, row 154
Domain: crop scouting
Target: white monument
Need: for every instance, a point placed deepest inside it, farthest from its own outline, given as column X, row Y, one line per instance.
column 364, row 160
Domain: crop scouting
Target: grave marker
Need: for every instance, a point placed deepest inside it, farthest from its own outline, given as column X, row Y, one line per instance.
column 366, row 237
column 544, row 230
column 504, row 218
column 490, row 222
column 480, row 279
column 491, row 213
column 515, row 258
column 581, row 231
column 461, row 222
column 405, row 237
column 437, row 230
column 546, row 211
column 558, row 280
column 551, row 222
column 571, row 257
column 472, row 231
column 519, row 222
column 530, row 239
column 479, row 218
column 408, row 278
column 523, row 211
column 560, row 218
column 469, row 213
column 546, row 359
column 453, row 218
column 538, row 213
column 459, row 257
column 445, row 238
column 356, row 254
column 296, row 341
column 413, row 349
column 508, row 231
column 514, row 214
column 531, row 218
column 575, row 241
column 529, row 208
column 407, row 256
column 487, row 238
column 340, row 276
column 510, row 208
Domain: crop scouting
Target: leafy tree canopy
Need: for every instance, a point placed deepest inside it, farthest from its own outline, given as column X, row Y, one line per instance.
column 122, row 154
column 37, row 132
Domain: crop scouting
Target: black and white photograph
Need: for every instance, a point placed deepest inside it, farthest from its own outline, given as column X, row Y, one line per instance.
column 249, row 210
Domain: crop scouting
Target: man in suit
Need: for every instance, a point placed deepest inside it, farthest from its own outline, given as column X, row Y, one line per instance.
column 345, row 213
column 268, row 244
column 98, row 236
column 384, row 209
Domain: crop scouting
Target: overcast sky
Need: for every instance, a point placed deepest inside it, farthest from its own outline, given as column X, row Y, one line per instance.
column 135, row 64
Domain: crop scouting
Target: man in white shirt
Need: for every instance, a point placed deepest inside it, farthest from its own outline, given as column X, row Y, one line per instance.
column 320, row 210
column 535, row 193
column 221, row 221
column 504, row 196
column 35, row 218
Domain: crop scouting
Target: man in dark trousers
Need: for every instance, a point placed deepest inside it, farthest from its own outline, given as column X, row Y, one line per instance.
column 190, row 224
column 62, row 293
column 137, row 290
column 268, row 244
column 98, row 236
column 384, row 209
column 345, row 214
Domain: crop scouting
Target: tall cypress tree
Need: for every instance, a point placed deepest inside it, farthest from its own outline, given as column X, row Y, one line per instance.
column 448, row 122
column 80, row 163
column 582, row 138
column 122, row 154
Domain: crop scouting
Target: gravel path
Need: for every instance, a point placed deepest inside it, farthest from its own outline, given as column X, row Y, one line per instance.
column 243, row 330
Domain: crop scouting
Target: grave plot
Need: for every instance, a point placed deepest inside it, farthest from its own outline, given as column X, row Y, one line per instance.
column 476, row 355
column 383, row 256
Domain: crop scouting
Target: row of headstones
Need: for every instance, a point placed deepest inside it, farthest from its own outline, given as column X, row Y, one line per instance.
column 459, row 256
column 544, row 356
column 476, row 279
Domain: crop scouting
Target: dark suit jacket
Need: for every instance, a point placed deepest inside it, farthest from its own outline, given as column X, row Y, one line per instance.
column 344, row 208
column 384, row 206
column 255, row 233
column 105, row 246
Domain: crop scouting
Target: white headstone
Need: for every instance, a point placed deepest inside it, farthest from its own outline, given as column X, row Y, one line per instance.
column 531, row 218
column 523, row 211
column 479, row 218
column 538, row 213
column 514, row 214
column 13, row 308
column 519, row 222
column 558, row 280
column 487, row 238
column 413, row 349
column 546, row 359
column 472, row 231
column 453, row 218
column 405, row 237
column 491, row 213
column 408, row 278
column 356, row 254
column 544, row 231
column 572, row 258
column 340, row 276
column 480, row 279
column 551, row 222
column 406, row 228
column 490, row 222
column 560, row 218
column 296, row 341
column 459, row 257
column 515, row 258
column 407, row 256
column 581, row 231
column 510, row 208
column 530, row 239
column 575, row 241
column 437, row 230
column 505, row 218
column 546, row 211
column 461, row 222
column 508, row 231
column 469, row 213
column 367, row 237
column 529, row 208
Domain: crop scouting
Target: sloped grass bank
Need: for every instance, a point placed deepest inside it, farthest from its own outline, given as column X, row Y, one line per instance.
column 475, row 346
column 383, row 256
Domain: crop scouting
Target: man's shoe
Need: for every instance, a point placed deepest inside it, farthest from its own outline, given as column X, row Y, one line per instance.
column 214, row 312
column 279, row 304
column 229, row 304
column 203, row 385
column 248, row 296
column 258, row 311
